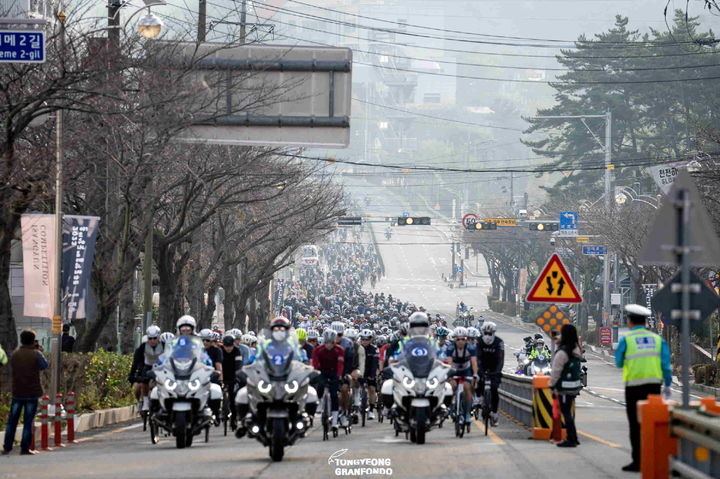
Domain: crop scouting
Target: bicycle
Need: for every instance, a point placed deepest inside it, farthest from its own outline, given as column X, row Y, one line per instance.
column 363, row 406
column 458, row 408
column 226, row 415
column 326, row 414
column 487, row 402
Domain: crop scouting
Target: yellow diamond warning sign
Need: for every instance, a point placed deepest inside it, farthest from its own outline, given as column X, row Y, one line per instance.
column 552, row 318
column 554, row 285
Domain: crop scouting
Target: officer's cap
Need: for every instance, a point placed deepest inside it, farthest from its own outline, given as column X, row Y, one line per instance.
column 637, row 310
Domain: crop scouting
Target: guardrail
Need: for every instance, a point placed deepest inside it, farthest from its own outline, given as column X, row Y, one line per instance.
column 516, row 397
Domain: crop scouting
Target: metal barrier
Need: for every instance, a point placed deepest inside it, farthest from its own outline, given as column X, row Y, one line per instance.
column 698, row 434
column 516, row 397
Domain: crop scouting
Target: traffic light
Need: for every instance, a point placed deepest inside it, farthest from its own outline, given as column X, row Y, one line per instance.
column 350, row 221
column 481, row 226
column 544, row 226
column 413, row 220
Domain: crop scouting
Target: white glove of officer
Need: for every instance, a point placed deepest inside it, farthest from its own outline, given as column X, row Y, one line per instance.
column 667, row 393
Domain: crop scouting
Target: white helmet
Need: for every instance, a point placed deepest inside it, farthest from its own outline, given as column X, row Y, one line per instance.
column 473, row 333
column 338, row 327
column 366, row 334
column 216, row 336
column 329, row 336
column 352, row 334
column 488, row 327
column 153, row 331
column 186, row 320
column 312, row 334
column 460, row 332
column 248, row 339
column 206, row 334
column 167, row 337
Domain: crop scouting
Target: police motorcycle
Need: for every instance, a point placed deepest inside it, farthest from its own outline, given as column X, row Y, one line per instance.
column 419, row 390
column 539, row 365
column 278, row 392
column 179, row 401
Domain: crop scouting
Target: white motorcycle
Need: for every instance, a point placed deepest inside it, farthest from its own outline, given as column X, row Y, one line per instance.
column 183, row 388
column 539, row 365
column 278, row 391
column 419, row 389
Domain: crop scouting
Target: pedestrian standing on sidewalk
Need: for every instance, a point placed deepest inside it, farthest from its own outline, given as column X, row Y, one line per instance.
column 25, row 365
column 566, row 378
column 645, row 359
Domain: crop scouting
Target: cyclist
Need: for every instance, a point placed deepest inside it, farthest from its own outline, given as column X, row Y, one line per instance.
column 329, row 360
column 312, row 340
column 441, row 333
column 372, row 360
column 232, row 363
column 491, row 356
column 345, row 378
column 473, row 336
column 146, row 355
column 463, row 359
column 216, row 358
column 302, row 336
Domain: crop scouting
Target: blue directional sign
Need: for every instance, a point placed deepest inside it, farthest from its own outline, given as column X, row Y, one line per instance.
column 22, row 46
column 458, row 269
column 593, row 250
column 568, row 220
column 406, row 214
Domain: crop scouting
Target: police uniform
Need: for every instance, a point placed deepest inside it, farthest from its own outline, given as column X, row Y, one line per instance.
column 645, row 359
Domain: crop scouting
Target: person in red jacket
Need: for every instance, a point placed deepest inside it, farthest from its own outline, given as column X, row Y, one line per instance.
column 329, row 360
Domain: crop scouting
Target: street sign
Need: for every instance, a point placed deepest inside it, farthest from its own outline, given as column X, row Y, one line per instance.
column 704, row 243
column 552, row 318
column 458, row 269
column 469, row 218
column 568, row 223
column 582, row 239
column 350, row 221
column 605, row 336
column 703, row 300
column 594, row 250
column 554, row 285
column 502, row 221
column 22, row 46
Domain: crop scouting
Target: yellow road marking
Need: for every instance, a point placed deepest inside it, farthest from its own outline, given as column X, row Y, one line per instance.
column 495, row 438
column 599, row 439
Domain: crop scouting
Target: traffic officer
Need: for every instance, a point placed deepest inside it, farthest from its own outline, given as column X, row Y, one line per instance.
column 645, row 359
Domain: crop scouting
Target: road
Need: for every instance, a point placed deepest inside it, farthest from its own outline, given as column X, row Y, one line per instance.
column 416, row 259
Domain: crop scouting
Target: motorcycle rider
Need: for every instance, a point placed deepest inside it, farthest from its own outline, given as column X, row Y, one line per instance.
column 186, row 325
column 329, row 360
column 216, row 358
column 491, row 357
column 146, row 355
column 463, row 359
column 539, row 348
column 372, row 359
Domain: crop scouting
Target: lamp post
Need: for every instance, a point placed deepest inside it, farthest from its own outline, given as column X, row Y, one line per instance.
column 607, row 148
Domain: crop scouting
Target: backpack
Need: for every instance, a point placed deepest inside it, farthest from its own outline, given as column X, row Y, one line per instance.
column 570, row 381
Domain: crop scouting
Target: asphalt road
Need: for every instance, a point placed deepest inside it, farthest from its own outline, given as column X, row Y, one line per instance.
column 415, row 260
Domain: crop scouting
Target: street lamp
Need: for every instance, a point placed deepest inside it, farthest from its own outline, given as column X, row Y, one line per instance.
column 149, row 26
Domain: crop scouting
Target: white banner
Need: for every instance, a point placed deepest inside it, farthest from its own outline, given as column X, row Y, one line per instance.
column 38, row 243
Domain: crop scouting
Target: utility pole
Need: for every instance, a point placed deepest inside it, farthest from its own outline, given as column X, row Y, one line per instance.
column 202, row 20
column 243, row 21
column 512, row 191
column 608, row 205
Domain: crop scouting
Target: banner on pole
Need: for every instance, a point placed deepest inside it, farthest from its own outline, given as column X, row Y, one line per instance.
column 79, row 237
column 38, row 244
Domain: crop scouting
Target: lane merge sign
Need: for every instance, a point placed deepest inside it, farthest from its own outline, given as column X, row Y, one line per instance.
column 554, row 285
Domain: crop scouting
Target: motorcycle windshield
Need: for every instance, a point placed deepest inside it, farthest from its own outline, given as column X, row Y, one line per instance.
column 278, row 359
column 186, row 353
column 420, row 356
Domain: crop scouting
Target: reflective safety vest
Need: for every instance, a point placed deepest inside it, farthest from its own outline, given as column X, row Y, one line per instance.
column 642, row 364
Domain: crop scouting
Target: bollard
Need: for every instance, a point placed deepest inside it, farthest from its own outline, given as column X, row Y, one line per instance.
column 542, row 408
column 44, row 433
column 654, row 415
column 70, row 415
column 58, row 420
column 710, row 405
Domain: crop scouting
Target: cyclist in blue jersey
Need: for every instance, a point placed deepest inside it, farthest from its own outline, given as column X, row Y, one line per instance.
column 462, row 357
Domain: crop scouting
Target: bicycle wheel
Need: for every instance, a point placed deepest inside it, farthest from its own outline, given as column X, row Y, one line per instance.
column 363, row 406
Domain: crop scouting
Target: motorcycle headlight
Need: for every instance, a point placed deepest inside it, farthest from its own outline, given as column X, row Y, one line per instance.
column 291, row 388
column 170, row 384
column 432, row 383
column 264, row 387
column 194, row 385
column 407, row 382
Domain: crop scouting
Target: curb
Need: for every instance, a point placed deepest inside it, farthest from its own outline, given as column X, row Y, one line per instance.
column 88, row 421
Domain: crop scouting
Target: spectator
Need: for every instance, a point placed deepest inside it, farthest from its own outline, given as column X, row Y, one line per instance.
column 26, row 363
column 566, row 379
column 68, row 342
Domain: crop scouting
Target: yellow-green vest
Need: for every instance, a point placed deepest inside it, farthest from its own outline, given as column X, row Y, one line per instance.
column 642, row 364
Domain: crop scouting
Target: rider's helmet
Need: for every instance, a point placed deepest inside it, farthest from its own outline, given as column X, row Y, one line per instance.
column 248, row 339
column 280, row 321
column 489, row 328
column 312, row 334
column 473, row 333
column 215, row 336
column 352, row 334
column 167, row 337
column 337, row 326
column 153, row 332
column 301, row 334
column 538, row 336
column 366, row 334
column 419, row 324
column 403, row 330
column 460, row 332
column 329, row 336
column 186, row 320
column 206, row 334
column 441, row 332
column 380, row 341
